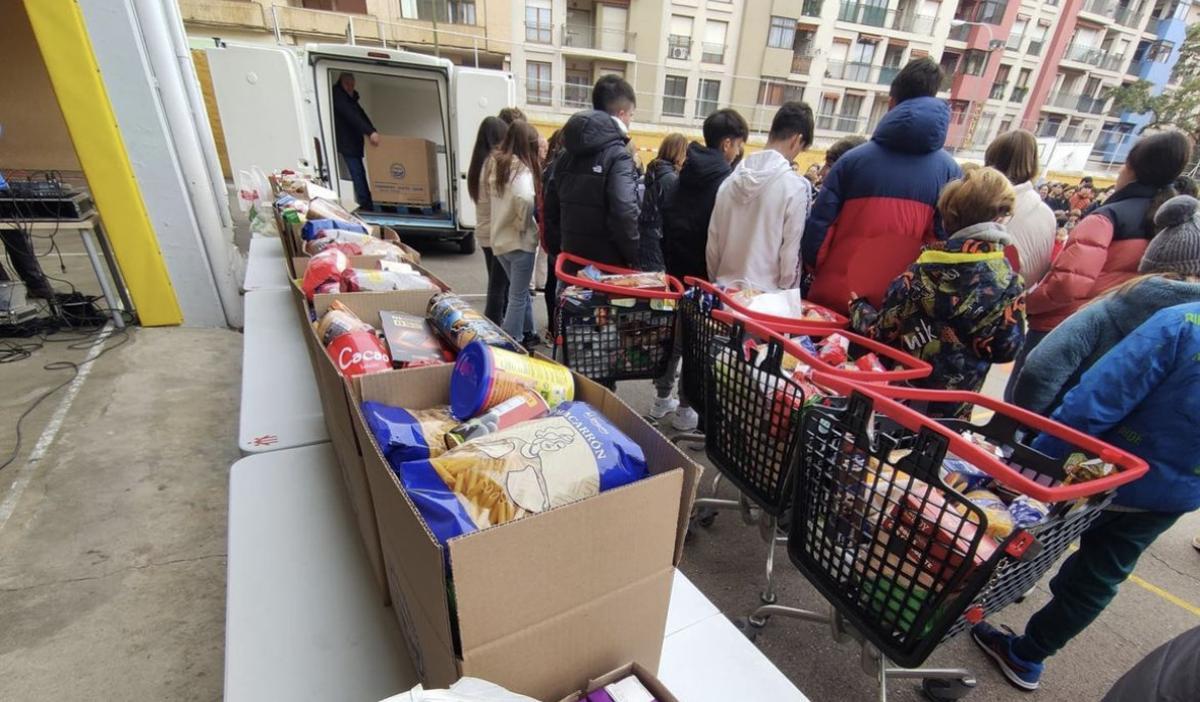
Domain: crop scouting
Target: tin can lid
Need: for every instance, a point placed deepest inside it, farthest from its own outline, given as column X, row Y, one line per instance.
column 471, row 381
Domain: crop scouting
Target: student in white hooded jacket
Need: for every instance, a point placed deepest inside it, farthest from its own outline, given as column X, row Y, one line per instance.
column 754, row 234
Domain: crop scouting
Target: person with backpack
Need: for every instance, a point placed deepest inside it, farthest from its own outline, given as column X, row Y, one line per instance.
column 878, row 204
column 591, row 204
column 662, row 176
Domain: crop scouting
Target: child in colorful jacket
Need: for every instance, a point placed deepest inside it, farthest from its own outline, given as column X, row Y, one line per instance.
column 960, row 306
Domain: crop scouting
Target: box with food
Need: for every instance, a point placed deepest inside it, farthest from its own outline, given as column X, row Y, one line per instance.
column 630, row 683
column 411, row 341
column 577, row 582
column 403, row 171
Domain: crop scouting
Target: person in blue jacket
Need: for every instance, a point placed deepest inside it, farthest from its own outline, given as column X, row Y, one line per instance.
column 1143, row 396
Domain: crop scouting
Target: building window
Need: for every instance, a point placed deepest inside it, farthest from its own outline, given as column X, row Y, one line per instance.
column 1039, row 39
column 958, row 111
column 462, row 11
column 713, row 49
column 777, row 92
column 706, row 98
column 452, row 11
column 537, row 21
column 826, row 116
column 1017, row 35
column 975, row 62
column 537, row 83
column 782, row 34
column 1160, row 51
column 679, row 38
column 1001, row 82
column 851, row 108
column 674, row 95
column 578, row 89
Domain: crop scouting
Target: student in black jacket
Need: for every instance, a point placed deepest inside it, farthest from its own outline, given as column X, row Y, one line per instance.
column 662, row 175
column 350, row 125
column 591, row 204
column 685, row 219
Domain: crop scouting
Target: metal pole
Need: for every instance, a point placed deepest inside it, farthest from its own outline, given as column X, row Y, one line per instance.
column 475, row 48
column 350, row 30
column 437, row 49
column 275, row 22
column 379, row 29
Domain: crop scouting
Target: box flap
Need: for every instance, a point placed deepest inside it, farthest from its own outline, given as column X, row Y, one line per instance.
column 515, row 575
column 553, row 658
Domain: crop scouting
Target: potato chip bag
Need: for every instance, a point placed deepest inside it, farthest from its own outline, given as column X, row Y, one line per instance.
column 535, row 466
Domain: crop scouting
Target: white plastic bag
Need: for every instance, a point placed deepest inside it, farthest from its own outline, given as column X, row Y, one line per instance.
column 783, row 303
column 465, row 690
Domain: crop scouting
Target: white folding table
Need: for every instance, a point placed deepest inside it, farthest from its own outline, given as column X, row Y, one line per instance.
column 280, row 405
column 265, row 266
column 303, row 620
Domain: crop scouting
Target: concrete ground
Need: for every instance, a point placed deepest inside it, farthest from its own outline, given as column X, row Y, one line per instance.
column 112, row 539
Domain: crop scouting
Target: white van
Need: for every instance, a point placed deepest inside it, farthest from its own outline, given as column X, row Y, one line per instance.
column 275, row 105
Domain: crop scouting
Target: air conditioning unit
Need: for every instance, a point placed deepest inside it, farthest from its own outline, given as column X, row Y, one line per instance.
column 679, row 52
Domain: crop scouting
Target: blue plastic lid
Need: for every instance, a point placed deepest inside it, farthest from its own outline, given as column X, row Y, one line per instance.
column 471, row 381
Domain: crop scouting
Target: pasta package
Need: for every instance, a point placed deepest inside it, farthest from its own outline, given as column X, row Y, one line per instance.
column 408, row 435
column 535, row 466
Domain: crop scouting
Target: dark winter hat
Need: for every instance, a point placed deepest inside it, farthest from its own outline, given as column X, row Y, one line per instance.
column 1176, row 247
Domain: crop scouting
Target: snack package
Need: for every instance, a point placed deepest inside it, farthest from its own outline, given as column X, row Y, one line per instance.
column 869, row 362
column 351, row 342
column 522, row 407
column 532, row 467
column 984, row 443
column 408, row 435
column 312, row 228
column 940, row 537
column 485, row 376
column 817, row 313
column 1027, row 512
column 337, row 321
column 324, row 273
column 364, row 280
column 999, row 521
column 834, row 349
column 411, row 342
column 640, row 281
column 628, row 689
column 321, row 208
column 962, row 476
column 1080, row 469
column 460, row 324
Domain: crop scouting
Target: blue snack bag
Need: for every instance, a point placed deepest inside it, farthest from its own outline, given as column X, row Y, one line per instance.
column 964, row 477
column 408, row 435
column 535, row 466
column 312, row 226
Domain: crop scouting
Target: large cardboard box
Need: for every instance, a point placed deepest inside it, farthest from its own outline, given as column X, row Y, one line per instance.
column 293, row 247
column 545, row 601
column 403, row 171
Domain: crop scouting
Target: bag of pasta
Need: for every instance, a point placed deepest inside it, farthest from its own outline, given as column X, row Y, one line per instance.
column 535, row 466
column 408, row 435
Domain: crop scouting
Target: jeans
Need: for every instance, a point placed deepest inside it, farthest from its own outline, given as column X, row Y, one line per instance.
column 497, row 287
column 1088, row 580
column 518, row 317
column 1032, row 339
column 358, row 174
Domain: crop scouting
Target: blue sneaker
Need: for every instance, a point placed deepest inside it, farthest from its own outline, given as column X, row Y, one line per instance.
column 997, row 643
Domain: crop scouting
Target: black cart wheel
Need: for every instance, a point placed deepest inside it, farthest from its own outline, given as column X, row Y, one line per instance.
column 947, row 690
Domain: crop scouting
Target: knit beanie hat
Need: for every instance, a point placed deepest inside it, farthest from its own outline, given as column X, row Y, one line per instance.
column 1176, row 247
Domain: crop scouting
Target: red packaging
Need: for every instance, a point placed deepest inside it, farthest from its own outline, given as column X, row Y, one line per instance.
column 834, row 349
column 358, row 353
column 324, row 268
column 870, row 362
column 940, row 536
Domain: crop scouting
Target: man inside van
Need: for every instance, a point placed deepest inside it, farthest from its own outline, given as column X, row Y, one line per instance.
column 591, row 204
column 350, row 125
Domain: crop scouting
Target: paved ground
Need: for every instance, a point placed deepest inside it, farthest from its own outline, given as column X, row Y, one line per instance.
column 112, row 543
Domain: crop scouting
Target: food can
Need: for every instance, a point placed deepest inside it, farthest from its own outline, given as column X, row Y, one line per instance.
column 522, row 407
column 484, row 376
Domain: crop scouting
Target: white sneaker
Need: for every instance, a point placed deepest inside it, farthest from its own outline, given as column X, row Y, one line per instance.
column 685, row 419
column 663, row 406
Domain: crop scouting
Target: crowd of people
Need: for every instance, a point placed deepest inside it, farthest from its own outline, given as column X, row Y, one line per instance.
column 1095, row 296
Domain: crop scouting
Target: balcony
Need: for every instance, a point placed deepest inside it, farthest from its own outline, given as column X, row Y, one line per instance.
column 959, row 32
column 712, row 53
column 1110, row 9
column 1072, row 135
column 850, row 70
column 579, row 36
column 539, row 33
column 1079, row 103
column 679, row 47
column 986, row 12
column 876, row 16
column 1089, row 55
column 947, row 81
column 812, row 8
column 1019, row 93
column 233, row 13
column 839, row 123
column 802, row 63
column 887, row 74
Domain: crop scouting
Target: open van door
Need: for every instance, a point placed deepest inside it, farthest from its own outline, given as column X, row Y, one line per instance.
column 477, row 94
column 265, row 115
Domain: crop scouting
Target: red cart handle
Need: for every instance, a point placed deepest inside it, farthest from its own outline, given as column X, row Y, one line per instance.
column 838, row 321
column 1129, row 467
column 674, row 292
column 910, row 368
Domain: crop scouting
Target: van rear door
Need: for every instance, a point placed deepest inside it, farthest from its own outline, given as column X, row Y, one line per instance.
column 478, row 93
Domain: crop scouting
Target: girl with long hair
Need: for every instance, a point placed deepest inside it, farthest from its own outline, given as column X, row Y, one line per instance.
column 514, row 185
column 491, row 133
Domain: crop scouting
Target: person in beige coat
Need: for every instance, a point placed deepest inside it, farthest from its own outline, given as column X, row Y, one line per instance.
column 512, row 181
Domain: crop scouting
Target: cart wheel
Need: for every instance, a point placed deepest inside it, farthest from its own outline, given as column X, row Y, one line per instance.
column 707, row 518
column 938, row 690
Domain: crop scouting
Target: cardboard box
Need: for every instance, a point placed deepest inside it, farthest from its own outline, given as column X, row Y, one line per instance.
column 651, row 683
column 293, row 246
column 403, row 171
column 544, row 601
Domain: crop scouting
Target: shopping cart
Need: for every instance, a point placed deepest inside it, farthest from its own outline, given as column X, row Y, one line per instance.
column 905, row 560
column 616, row 333
column 754, row 407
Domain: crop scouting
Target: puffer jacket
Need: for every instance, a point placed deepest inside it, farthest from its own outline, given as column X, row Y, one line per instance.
column 1104, row 251
column 591, row 204
column 661, row 181
column 959, row 307
column 1144, row 397
column 685, row 220
column 1054, row 367
column 878, row 205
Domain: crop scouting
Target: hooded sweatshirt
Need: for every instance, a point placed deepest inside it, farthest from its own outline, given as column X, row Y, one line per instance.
column 1056, row 364
column 591, row 205
column 878, row 205
column 685, row 220
column 756, row 224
